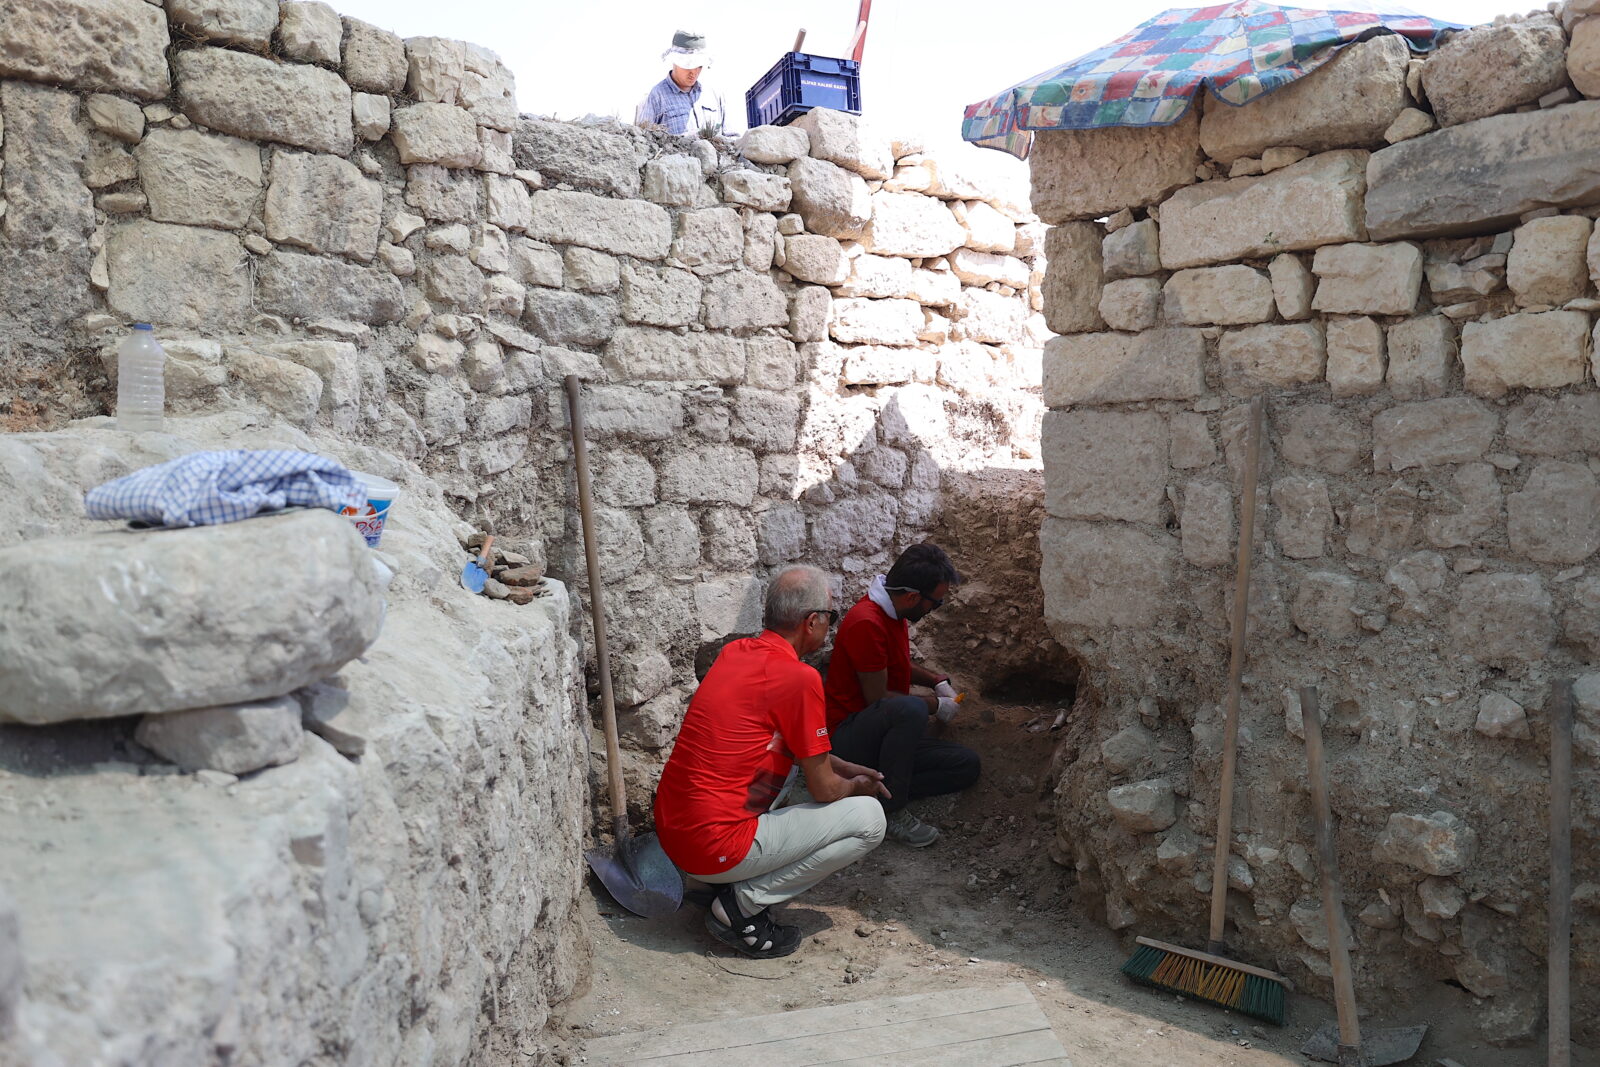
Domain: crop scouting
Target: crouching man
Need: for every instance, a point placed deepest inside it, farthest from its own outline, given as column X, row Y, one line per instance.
column 758, row 711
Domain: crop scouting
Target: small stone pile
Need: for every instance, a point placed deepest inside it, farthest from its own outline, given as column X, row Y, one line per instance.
column 513, row 575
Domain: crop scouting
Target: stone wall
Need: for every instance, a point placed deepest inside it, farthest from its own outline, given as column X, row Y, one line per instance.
column 1397, row 253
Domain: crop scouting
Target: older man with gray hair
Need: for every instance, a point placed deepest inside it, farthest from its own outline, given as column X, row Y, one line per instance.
column 759, row 711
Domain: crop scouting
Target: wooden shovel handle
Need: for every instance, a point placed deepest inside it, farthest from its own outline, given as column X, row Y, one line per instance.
column 1560, row 953
column 1344, row 988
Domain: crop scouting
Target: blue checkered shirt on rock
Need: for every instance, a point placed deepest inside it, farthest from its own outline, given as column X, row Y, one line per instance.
column 208, row 488
column 682, row 112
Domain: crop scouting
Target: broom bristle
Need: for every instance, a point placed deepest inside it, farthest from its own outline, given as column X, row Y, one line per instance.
column 1226, row 987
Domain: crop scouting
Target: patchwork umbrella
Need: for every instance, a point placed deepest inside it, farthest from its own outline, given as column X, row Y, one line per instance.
column 1150, row 75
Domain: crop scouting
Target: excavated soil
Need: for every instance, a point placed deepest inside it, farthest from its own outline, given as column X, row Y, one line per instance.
column 983, row 906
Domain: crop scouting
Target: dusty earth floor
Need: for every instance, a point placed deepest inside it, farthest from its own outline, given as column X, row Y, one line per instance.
column 983, row 906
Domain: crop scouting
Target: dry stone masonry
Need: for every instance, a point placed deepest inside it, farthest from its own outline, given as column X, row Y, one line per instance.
column 1399, row 254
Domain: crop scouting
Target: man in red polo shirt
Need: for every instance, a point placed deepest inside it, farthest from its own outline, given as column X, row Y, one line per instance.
column 758, row 711
column 874, row 719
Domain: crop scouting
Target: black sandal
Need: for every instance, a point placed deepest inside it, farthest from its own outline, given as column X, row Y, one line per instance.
column 757, row 936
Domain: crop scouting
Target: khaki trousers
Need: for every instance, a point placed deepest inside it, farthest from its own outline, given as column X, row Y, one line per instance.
column 798, row 846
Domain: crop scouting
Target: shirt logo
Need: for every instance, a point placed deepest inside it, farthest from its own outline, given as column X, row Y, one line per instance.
column 822, row 732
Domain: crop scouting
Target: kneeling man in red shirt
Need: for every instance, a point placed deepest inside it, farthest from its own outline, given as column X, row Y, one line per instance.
column 758, row 711
column 873, row 716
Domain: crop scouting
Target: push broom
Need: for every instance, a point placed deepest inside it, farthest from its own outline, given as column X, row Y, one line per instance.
column 1209, row 975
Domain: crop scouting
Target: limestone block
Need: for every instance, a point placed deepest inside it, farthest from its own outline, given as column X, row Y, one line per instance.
column 322, row 203
column 625, row 480
column 831, row 200
column 847, row 141
column 1206, row 524
column 536, row 263
column 1132, row 251
column 1191, row 441
column 248, row 23
column 1118, row 368
column 1437, row 844
column 291, row 390
column 877, row 276
column 744, row 300
column 815, row 258
column 621, row 227
column 756, row 189
column 659, row 296
column 116, row 45
column 1348, row 102
column 630, row 412
column 760, row 241
column 985, row 268
column 1411, row 122
column 1305, row 516
column 1355, row 356
column 1432, row 432
column 1480, row 513
column 1548, row 263
column 436, row 133
column 199, row 179
column 456, row 282
column 1533, row 350
column 258, row 99
column 1583, row 56
column 672, row 540
column 491, row 249
column 1072, row 284
column 770, row 363
column 1553, row 519
column 1321, row 437
column 1503, row 619
column 862, row 523
column 182, row 275
column 193, row 369
column 1581, row 623
column 1491, row 69
column 1385, row 526
column 1292, row 286
column 1422, row 359
column 437, row 68
column 675, row 181
column 709, row 241
column 906, row 224
column 560, row 317
column 1552, row 426
column 935, row 288
column 506, row 202
column 1476, row 177
column 582, row 156
column 370, row 115
column 1226, row 296
column 875, row 322
column 151, row 599
column 988, row 230
column 766, row 422
column 1131, row 304
column 1105, row 465
column 108, row 165
column 1282, row 356
column 774, row 144
column 988, row 317
column 310, row 32
column 641, row 676
column 1144, row 807
column 1084, row 174
column 1360, row 279
column 443, row 195
column 236, row 739
column 1324, row 605
column 436, row 355
column 590, row 271
column 374, row 59
column 809, row 314
column 112, row 115
column 311, row 287
column 639, row 352
column 709, row 474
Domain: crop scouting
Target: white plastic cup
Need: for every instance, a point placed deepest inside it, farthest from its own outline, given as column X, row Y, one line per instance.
column 369, row 519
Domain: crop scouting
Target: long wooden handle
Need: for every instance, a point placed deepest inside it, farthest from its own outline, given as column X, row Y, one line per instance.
column 1560, row 1014
column 799, row 41
column 1344, row 986
column 1230, row 731
column 602, row 652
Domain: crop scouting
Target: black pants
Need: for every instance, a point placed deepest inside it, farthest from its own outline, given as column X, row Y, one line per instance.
column 889, row 736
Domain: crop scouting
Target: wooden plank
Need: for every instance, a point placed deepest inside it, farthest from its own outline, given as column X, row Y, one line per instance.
column 737, row 1031
column 1010, row 1050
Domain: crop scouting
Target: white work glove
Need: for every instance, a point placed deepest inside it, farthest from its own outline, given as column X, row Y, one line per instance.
column 945, row 690
column 947, row 708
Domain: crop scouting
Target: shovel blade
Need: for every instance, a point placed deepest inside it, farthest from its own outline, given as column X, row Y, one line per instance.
column 1379, row 1048
column 639, row 876
column 474, row 577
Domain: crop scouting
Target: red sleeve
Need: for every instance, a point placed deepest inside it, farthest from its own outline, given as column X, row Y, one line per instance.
column 801, row 715
column 867, row 646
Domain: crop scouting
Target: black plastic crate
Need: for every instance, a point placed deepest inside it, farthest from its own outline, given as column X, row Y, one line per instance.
column 799, row 82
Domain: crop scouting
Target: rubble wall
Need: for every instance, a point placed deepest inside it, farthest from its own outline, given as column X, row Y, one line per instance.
column 1398, row 253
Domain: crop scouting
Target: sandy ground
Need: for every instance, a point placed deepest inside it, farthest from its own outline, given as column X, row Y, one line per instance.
column 983, row 906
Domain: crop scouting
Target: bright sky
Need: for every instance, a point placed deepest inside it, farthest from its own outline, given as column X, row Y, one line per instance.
column 924, row 61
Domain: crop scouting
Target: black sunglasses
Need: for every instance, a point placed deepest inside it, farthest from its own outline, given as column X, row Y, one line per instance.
column 935, row 601
column 831, row 613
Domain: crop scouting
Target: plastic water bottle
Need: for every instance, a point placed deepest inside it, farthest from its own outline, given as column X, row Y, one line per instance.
column 141, row 380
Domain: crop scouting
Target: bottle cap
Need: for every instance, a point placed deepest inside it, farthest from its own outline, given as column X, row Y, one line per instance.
column 141, row 326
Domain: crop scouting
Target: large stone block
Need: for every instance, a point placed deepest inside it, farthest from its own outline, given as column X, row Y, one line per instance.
column 1438, row 844
column 709, row 241
column 774, row 144
column 1553, row 519
column 1132, row 304
column 256, row 98
column 812, row 257
column 988, row 230
column 858, row 524
column 1346, row 103
column 1361, row 279
column 1503, row 619
column 659, row 296
column 1205, row 524
column 1227, row 296
column 1305, row 516
column 199, row 179
column 564, row 318
column 1105, row 465
column 756, row 189
column 310, row 32
column 1133, row 251
column 1491, row 69
column 324, row 204
column 1324, row 605
column 1549, row 260
column 908, row 224
column 1120, row 368
column 876, row 322
column 1322, row 437
column 1317, row 201
column 1530, row 350
column 744, row 300
column 844, row 139
column 236, row 739
column 1099, row 575
column 1073, row 280
column 1480, row 176
column 1272, row 356
column 248, row 23
column 675, row 181
column 621, row 227
column 155, row 635
column 1422, row 357
column 581, row 156
column 1355, row 356
column 660, row 355
column 1143, row 807
column 1085, row 174
column 181, row 275
column 311, row 287
column 711, row 474
column 981, row 269
column 374, row 59
column 878, row 276
column 436, row 133
column 627, row 411
column 990, row 317
column 1554, row 426
column 767, row 422
column 1432, row 432
column 117, row 45
column 445, row 195
column 831, row 200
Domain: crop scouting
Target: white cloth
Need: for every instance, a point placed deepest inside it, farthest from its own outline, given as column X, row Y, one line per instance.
column 880, row 596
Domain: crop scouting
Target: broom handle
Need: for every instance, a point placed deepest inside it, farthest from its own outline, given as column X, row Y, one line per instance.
column 597, row 609
column 1560, row 1015
column 1230, row 730
column 1344, row 987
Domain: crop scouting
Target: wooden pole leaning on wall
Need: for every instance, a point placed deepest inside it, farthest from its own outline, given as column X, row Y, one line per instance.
column 1560, row 952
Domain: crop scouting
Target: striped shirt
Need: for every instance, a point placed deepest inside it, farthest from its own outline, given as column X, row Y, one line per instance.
column 679, row 111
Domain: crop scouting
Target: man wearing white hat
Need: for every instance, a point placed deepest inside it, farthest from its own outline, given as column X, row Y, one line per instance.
column 680, row 103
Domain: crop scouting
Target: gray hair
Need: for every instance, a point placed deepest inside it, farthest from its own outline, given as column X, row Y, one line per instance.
column 795, row 592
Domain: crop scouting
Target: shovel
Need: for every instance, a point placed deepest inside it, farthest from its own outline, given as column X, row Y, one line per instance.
column 634, row 870
column 475, row 575
column 1341, row 1041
